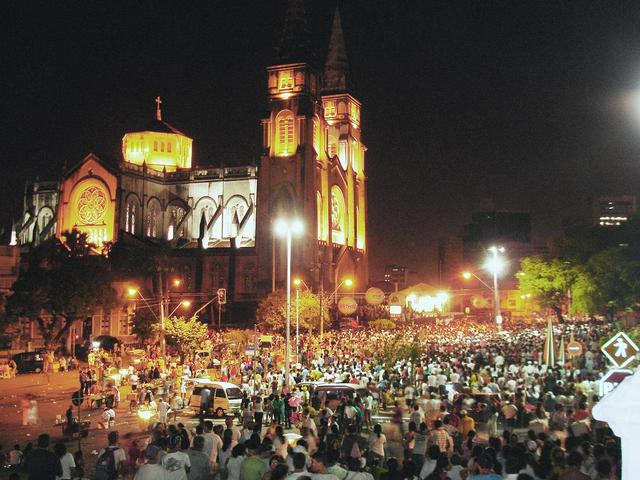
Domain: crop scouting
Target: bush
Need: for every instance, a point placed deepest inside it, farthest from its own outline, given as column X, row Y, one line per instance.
column 383, row 324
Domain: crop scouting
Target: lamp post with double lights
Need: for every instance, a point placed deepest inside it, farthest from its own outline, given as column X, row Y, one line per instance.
column 288, row 227
column 134, row 292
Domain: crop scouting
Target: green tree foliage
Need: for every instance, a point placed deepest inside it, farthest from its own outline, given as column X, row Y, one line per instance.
column 62, row 284
column 550, row 283
column 608, row 282
column 186, row 335
column 617, row 280
column 144, row 321
column 382, row 324
column 272, row 311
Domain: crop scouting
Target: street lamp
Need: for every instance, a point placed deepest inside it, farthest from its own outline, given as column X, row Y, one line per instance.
column 288, row 228
column 183, row 303
column 468, row 275
column 496, row 264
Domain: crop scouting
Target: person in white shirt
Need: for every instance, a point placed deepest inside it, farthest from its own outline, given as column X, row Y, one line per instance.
column 151, row 470
column 163, row 410
column 212, row 442
column 15, row 456
column 417, row 416
column 119, row 455
column 66, row 461
column 376, row 443
column 176, row 462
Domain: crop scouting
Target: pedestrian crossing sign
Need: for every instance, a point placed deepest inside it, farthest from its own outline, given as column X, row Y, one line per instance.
column 620, row 350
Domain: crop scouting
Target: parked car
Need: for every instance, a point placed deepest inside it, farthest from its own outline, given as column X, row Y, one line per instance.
column 222, row 398
column 28, row 362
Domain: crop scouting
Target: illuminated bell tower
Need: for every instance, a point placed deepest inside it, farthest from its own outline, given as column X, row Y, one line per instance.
column 292, row 144
column 342, row 215
column 312, row 166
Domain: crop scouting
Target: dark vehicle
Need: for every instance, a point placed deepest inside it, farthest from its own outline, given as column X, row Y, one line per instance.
column 28, row 362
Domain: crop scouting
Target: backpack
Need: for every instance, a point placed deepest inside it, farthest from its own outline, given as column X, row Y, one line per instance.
column 106, row 465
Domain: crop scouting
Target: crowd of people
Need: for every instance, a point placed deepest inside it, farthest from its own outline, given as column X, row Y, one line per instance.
column 458, row 400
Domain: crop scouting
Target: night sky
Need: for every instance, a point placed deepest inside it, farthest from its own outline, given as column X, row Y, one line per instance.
column 465, row 104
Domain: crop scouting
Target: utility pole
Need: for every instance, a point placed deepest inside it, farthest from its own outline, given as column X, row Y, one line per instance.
column 163, row 299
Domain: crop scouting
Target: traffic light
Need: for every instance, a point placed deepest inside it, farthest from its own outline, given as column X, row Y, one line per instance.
column 222, row 296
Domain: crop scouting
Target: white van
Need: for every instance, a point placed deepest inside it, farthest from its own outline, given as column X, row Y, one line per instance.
column 223, row 398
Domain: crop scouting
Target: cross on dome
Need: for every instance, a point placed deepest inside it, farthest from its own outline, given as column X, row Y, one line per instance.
column 158, row 111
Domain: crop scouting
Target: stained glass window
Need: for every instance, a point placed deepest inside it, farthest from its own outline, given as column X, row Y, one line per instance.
column 92, row 205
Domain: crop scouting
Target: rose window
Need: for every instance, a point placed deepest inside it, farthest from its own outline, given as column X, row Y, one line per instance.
column 92, row 205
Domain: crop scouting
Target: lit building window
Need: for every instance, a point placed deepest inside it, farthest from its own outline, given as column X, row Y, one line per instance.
column 162, row 146
column 169, row 147
column 330, row 109
column 285, row 81
column 155, row 146
column 338, row 216
column 285, row 133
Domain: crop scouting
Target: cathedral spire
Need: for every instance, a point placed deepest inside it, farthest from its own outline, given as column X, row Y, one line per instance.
column 336, row 68
column 158, row 111
column 294, row 42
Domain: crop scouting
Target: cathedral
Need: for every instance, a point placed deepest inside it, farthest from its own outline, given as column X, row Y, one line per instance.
column 218, row 223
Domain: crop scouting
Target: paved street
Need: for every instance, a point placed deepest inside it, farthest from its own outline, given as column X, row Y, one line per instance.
column 53, row 392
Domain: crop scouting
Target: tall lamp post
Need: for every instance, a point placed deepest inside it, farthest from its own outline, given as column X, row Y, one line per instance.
column 287, row 228
column 495, row 264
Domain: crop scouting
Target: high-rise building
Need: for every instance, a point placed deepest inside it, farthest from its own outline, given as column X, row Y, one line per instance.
column 613, row 211
column 396, row 278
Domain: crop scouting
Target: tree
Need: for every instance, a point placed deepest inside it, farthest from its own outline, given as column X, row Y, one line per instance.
column 63, row 283
column 144, row 321
column 272, row 311
column 616, row 279
column 557, row 285
column 185, row 335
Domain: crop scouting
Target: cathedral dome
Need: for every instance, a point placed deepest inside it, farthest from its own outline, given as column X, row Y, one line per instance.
column 158, row 145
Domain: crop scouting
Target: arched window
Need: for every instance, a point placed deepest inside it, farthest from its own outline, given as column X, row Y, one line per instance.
column 204, row 211
column 132, row 210
column 45, row 218
column 338, row 216
column 332, row 149
column 153, row 219
column 176, row 214
column 235, row 211
column 285, row 135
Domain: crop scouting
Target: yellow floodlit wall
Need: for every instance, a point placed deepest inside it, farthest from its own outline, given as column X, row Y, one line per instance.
column 158, row 150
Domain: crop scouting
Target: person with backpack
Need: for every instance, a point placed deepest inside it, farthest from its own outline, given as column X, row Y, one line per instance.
column 111, row 460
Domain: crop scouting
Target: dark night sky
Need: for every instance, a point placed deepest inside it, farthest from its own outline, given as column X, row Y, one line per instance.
column 524, row 105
